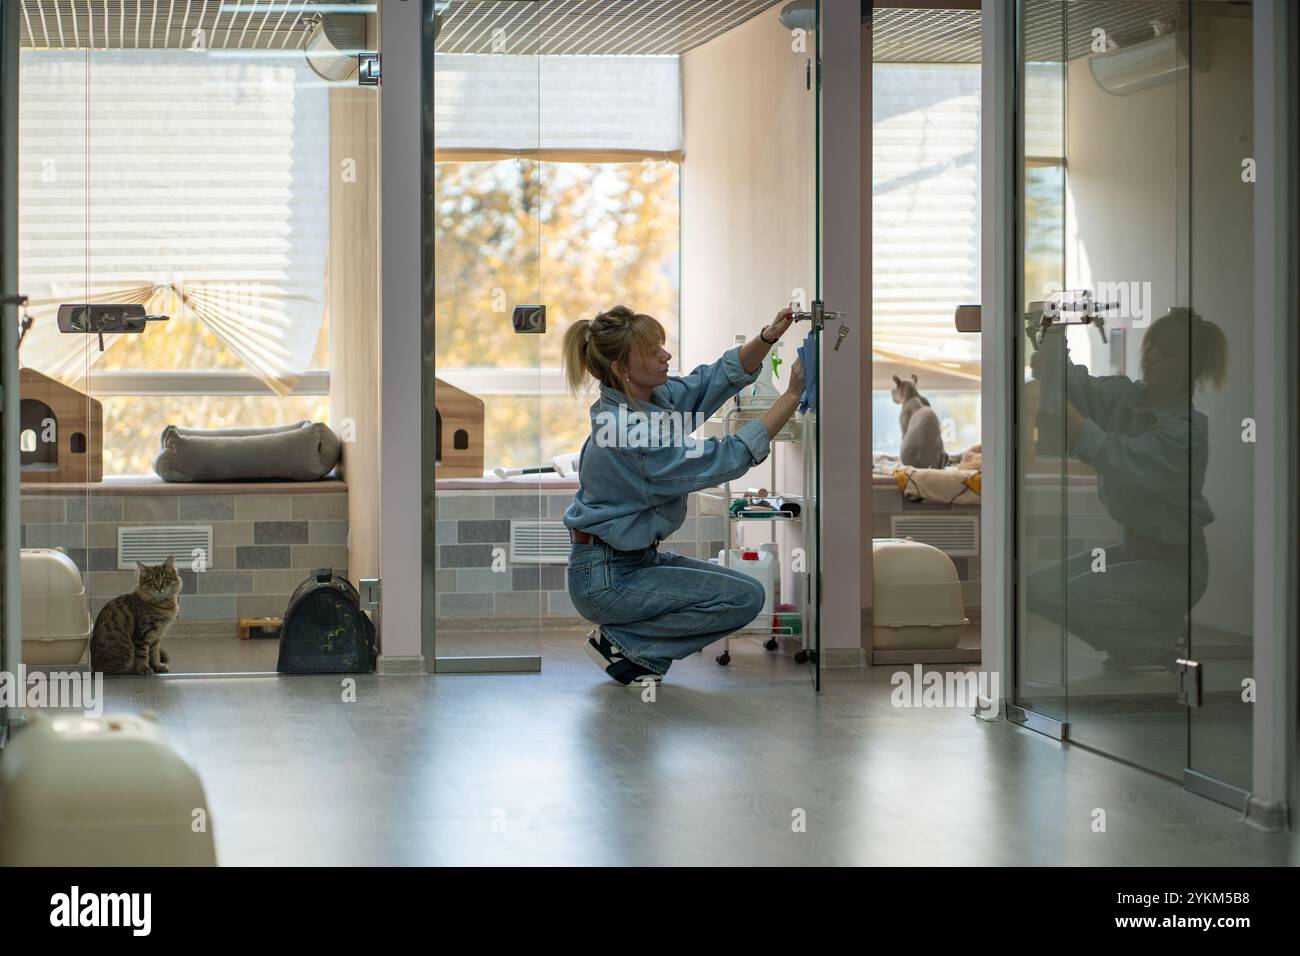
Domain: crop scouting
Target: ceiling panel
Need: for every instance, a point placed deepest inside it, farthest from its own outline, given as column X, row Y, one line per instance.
column 167, row 24
column 908, row 35
column 589, row 27
column 557, row 27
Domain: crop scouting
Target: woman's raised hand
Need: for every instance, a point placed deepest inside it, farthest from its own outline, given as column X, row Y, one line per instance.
column 783, row 320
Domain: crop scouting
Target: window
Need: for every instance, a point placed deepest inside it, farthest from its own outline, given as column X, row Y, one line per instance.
column 199, row 186
column 557, row 180
column 925, row 242
column 570, row 235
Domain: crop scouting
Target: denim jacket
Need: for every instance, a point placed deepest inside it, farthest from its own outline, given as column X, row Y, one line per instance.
column 633, row 487
column 1150, row 459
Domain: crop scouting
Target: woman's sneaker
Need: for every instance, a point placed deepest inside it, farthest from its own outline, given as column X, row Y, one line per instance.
column 611, row 660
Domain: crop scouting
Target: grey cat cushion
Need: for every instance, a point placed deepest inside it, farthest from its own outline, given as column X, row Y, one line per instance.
column 303, row 451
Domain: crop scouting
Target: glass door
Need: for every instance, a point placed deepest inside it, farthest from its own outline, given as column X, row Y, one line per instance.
column 558, row 181
column 494, row 553
column 813, row 348
column 1221, row 346
column 1133, row 540
column 205, row 177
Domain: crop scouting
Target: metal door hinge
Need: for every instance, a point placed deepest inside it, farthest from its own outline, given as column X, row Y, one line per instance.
column 1189, row 682
column 369, row 69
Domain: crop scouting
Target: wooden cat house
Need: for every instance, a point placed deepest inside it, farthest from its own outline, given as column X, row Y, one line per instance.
column 459, row 432
column 61, row 431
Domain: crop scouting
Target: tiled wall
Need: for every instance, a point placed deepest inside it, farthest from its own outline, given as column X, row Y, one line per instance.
column 887, row 501
column 263, row 546
column 470, row 524
column 1087, row 525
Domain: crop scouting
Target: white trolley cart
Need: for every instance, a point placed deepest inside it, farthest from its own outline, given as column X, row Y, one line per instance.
column 799, row 429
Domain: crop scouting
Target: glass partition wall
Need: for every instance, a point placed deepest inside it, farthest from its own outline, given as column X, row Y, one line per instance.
column 556, row 178
column 214, row 169
column 1134, row 632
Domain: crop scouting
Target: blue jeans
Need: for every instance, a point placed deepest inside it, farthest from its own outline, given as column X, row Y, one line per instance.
column 1136, row 607
column 656, row 606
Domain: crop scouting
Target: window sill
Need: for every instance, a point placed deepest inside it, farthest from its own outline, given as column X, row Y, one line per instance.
column 153, row 485
column 535, row 483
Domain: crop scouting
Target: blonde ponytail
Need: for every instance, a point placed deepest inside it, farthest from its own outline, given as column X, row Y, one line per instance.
column 591, row 346
column 573, row 355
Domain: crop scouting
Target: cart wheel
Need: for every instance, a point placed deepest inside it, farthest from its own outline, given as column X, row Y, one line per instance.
column 724, row 658
column 801, row 657
column 771, row 644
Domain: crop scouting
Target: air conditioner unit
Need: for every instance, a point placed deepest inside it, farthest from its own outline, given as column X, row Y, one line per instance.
column 1153, row 62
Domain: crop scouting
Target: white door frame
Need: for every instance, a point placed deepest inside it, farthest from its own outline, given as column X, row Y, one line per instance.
column 10, row 499
column 998, row 260
column 1277, row 310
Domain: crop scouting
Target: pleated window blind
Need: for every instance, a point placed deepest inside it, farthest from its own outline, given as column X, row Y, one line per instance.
column 925, row 221
column 196, row 185
column 586, row 108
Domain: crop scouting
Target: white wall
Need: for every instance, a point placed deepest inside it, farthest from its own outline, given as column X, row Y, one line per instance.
column 747, row 211
column 1222, row 277
column 747, row 186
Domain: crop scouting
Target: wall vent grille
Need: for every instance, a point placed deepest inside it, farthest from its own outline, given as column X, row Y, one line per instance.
column 957, row 536
column 539, row 542
column 152, row 545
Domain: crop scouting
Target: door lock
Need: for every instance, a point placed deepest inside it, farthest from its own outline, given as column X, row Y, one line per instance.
column 1067, row 307
column 818, row 317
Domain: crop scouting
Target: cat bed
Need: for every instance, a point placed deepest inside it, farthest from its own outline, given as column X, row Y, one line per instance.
column 916, row 596
column 945, row 486
column 302, row 451
column 56, row 621
column 100, row 791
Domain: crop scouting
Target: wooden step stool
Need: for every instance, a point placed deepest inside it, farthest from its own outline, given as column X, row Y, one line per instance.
column 247, row 625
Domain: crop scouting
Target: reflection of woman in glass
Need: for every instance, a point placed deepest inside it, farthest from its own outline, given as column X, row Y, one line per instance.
column 1149, row 448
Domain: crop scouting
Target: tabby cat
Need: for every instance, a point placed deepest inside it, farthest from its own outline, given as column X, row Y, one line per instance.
column 128, row 633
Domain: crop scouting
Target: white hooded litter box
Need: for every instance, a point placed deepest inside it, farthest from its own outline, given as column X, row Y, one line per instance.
column 916, row 596
column 102, row 791
column 56, row 621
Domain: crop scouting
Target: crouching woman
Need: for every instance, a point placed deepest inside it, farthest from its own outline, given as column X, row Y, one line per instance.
column 651, row 606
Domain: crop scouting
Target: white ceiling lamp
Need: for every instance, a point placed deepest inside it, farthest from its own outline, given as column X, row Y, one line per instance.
column 799, row 15
column 334, row 39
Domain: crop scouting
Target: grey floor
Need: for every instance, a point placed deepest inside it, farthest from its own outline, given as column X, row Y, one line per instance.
column 564, row 767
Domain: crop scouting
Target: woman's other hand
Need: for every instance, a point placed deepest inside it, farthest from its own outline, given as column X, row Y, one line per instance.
column 795, row 385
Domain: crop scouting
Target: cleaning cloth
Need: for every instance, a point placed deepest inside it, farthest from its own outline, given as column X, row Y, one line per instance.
column 808, row 357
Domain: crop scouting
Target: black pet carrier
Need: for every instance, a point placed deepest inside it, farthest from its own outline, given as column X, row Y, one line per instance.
column 325, row 631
